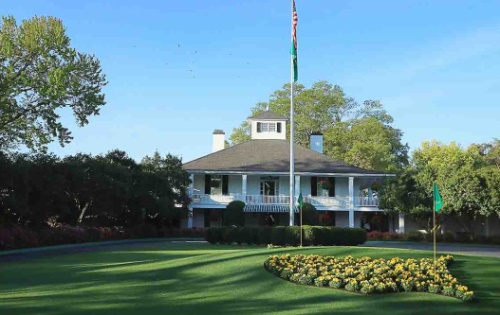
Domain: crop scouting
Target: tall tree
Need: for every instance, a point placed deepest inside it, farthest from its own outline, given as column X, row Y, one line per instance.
column 359, row 134
column 170, row 167
column 368, row 143
column 40, row 74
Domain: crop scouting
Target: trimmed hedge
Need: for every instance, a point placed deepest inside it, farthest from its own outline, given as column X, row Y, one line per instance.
column 17, row 237
column 286, row 235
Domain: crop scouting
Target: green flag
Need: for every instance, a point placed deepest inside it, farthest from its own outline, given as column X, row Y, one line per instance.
column 438, row 201
column 293, row 50
column 300, row 200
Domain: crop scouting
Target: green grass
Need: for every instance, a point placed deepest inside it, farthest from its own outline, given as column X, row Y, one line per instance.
column 205, row 279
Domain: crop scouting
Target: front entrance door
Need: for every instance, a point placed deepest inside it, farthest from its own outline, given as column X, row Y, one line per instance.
column 268, row 189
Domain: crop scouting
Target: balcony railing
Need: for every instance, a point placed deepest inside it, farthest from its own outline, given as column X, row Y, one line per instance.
column 365, row 202
column 337, row 202
column 330, row 202
column 213, row 199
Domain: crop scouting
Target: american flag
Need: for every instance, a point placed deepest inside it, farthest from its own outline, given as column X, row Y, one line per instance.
column 293, row 50
column 295, row 19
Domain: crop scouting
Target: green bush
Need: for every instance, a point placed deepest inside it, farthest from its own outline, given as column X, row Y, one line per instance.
column 246, row 235
column 264, row 235
column 307, row 235
column 322, row 235
column 233, row 234
column 414, row 236
column 233, row 215
column 287, row 235
column 279, row 235
column 309, row 215
column 216, row 235
column 293, row 235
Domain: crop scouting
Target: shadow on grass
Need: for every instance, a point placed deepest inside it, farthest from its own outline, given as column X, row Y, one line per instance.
column 212, row 279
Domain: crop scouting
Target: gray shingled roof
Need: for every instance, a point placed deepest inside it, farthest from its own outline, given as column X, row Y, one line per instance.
column 268, row 115
column 270, row 156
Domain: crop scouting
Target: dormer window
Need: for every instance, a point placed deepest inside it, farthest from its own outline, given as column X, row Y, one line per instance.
column 268, row 127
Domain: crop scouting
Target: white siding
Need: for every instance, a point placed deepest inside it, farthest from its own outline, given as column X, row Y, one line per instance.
column 253, row 185
column 198, row 218
column 342, row 186
column 284, row 185
column 234, row 185
column 269, row 135
column 199, row 184
column 342, row 218
column 305, row 185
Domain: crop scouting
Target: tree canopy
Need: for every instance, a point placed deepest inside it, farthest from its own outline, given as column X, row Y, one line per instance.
column 107, row 190
column 468, row 180
column 41, row 74
column 360, row 134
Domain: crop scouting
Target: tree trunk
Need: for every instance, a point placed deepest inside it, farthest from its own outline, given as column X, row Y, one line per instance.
column 82, row 212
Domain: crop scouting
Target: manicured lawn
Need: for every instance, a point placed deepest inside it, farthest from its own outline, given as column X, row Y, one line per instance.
column 205, row 279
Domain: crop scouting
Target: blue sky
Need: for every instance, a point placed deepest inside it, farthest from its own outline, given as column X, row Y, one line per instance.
column 177, row 70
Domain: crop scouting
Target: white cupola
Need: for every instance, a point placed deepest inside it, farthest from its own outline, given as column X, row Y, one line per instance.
column 268, row 125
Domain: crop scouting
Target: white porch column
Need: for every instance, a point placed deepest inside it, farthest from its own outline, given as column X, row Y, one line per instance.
column 190, row 207
column 401, row 225
column 370, row 195
column 351, row 202
column 244, row 188
column 297, row 186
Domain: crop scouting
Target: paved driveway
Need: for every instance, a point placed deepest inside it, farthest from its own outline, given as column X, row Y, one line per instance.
column 451, row 248
column 21, row 255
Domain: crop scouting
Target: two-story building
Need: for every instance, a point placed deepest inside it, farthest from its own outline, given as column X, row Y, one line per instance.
column 257, row 172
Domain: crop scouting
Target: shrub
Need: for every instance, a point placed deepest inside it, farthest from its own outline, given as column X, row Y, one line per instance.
column 446, row 237
column 414, row 236
column 233, row 234
column 279, row 235
column 254, row 234
column 233, row 215
column 322, row 235
column 215, row 235
column 264, row 235
column 246, row 235
column 307, row 235
column 309, row 214
column 143, row 231
column 293, row 235
column 375, row 235
column 290, row 235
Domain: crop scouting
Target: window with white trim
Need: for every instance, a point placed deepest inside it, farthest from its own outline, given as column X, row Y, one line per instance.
column 216, row 185
column 266, row 127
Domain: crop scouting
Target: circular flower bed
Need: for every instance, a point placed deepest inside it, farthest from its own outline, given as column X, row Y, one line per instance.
column 370, row 276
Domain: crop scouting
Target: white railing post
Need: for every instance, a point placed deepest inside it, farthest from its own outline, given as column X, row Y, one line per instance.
column 351, row 202
column 190, row 207
column 244, row 187
column 297, row 187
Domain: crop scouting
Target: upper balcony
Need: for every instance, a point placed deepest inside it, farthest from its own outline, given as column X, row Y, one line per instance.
column 321, row 203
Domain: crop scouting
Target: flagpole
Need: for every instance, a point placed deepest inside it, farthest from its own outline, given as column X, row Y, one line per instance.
column 434, row 226
column 300, row 226
column 292, row 156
